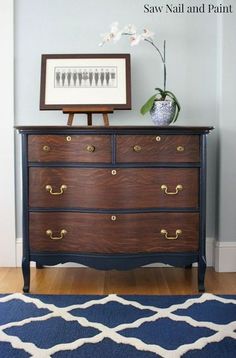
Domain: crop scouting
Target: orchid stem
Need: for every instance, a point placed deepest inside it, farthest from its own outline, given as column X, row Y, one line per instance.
column 152, row 43
column 164, row 63
column 163, row 56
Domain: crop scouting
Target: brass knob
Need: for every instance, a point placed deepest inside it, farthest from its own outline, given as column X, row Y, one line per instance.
column 113, row 172
column 90, row 148
column 113, row 218
column 137, row 148
column 50, row 189
column 178, row 188
column 46, row 148
column 165, row 233
column 158, row 138
column 68, row 138
column 49, row 233
column 180, row 148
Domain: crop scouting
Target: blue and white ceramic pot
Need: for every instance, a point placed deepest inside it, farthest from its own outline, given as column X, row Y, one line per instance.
column 162, row 112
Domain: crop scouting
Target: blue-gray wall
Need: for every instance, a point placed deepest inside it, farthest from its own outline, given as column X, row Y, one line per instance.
column 74, row 26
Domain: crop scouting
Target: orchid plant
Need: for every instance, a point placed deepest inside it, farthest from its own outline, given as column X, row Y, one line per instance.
column 135, row 38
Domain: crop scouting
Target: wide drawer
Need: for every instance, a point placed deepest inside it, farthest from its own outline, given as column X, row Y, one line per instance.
column 163, row 148
column 74, row 148
column 104, row 233
column 120, row 188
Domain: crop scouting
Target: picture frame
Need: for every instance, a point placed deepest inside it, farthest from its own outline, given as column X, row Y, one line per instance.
column 85, row 80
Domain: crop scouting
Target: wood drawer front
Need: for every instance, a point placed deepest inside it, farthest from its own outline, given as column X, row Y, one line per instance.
column 74, row 148
column 164, row 148
column 98, row 233
column 100, row 188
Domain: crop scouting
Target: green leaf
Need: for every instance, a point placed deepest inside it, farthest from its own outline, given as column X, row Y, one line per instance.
column 148, row 105
column 162, row 93
column 159, row 90
column 176, row 114
column 178, row 107
column 171, row 95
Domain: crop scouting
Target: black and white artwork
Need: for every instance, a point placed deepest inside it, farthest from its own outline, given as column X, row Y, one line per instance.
column 85, row 79
column 81, row 77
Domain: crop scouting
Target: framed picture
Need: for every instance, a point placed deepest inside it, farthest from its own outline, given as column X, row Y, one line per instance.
column 93, row 80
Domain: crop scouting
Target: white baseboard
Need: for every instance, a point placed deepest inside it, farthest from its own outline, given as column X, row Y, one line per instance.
column 19, row 257
column 210, row 256
column 225, row 256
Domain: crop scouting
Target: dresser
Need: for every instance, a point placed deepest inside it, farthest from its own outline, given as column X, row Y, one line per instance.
column 114, row 197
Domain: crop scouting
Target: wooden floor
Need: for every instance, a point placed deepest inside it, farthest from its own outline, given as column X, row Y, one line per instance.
column 143, row 281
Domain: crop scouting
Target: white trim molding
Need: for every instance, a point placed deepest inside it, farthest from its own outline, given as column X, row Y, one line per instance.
column 7, row 178
column 225, row 256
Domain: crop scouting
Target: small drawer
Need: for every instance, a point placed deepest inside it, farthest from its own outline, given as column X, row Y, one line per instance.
column 158, row 148
column 121, row 188
column 69, row 148
column 113, row 233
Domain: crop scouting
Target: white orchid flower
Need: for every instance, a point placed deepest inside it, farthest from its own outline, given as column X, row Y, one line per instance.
column 147, row 34
column 114, row 35
column 135, row 39
column 130, row 29
column 115, row 32
column 105, row 38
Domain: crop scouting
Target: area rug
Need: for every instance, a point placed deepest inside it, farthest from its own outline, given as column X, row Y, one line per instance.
column 110, row 326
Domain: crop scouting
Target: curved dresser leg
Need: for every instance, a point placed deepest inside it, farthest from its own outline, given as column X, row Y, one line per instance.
column 201, row 273
column 26, row 274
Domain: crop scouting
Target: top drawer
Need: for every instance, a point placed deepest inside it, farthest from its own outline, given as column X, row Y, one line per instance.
column 74, row 148
column 163, row 148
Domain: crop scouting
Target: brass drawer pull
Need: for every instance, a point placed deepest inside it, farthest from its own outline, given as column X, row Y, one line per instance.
column 137, row 148
column 46, row 148
column 113, row 218
column 178, row 188
column 90, row 148
column 177, row 233
column 62, row 234
column 113, row 172
column 68, row 138
column 158, row 138
column 180, row 148
column 62, row 189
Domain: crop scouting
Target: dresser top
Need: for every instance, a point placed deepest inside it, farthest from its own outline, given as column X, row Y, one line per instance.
column 115, row 129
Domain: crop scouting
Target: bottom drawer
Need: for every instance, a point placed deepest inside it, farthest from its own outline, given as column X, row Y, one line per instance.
column 122, row 233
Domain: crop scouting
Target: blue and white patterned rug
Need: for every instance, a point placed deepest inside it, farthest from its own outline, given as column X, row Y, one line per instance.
column 114, row 326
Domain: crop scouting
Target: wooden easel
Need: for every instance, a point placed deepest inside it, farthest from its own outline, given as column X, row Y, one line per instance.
column 89, row 110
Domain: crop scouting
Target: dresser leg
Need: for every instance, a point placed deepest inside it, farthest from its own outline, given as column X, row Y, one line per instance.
column 201, row 274
column 26, row 275
column 39, row 266
column 188, row 266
